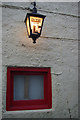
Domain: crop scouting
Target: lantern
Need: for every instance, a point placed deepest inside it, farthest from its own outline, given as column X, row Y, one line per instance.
column 34, row 23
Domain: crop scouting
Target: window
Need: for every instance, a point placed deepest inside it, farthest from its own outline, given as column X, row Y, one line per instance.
column 28, row 88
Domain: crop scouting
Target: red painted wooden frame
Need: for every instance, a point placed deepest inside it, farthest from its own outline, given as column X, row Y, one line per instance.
column 46, row 103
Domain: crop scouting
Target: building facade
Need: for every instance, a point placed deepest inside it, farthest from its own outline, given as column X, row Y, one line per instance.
column 57, row 49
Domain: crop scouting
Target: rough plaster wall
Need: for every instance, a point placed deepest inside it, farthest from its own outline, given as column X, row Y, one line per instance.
column 56, row 48
column 0, row 62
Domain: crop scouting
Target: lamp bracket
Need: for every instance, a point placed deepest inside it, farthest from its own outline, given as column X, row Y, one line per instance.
column 34, row 9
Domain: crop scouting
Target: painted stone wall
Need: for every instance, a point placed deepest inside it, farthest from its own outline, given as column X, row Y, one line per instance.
column 0, row 62
column 56, row 48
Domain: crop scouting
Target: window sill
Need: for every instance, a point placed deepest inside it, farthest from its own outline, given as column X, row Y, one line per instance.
column 27, row 111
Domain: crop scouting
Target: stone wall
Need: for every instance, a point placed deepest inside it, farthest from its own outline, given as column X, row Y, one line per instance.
column 56, row 48
column 0, row 62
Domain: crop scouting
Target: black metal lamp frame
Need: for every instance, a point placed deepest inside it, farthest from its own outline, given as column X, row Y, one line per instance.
column 34, row 14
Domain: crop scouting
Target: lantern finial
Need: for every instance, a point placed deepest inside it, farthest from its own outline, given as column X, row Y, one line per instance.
column 34, row 40
column 34, row 9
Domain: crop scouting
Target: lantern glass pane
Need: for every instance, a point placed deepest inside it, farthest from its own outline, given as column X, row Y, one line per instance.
column 36, row 24
column 28, row 28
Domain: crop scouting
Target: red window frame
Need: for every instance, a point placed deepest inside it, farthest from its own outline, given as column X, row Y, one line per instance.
column 46, row 103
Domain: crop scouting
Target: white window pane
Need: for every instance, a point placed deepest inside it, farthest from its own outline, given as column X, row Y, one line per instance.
column 36, row 87
column 18, row 87
column 28, row 87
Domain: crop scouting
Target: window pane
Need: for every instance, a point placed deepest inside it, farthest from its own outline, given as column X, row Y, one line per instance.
column 18, row 87
column 28, row 87
column 36, row 87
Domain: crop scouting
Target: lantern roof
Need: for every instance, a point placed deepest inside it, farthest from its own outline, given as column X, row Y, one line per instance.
column 36, row 14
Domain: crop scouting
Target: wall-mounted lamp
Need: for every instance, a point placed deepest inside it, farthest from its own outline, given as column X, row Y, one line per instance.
column 34, row 22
